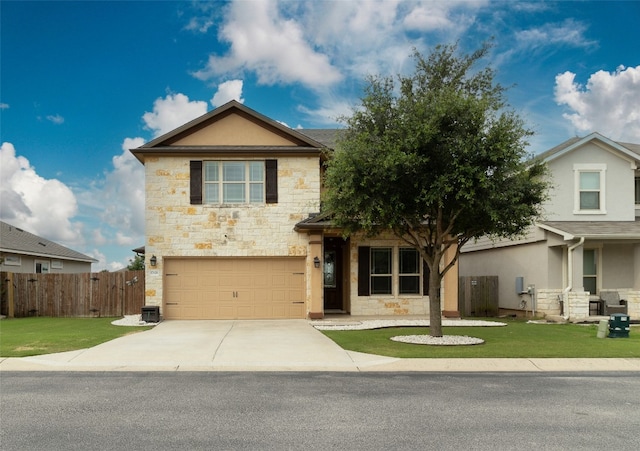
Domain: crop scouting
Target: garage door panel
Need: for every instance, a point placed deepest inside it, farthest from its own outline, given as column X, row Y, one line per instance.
column 234, row 288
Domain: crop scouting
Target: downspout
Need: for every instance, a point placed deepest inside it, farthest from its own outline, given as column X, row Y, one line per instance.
column 570, row 273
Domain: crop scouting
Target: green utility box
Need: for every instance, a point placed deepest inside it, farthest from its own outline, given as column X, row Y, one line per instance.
column 619, row 325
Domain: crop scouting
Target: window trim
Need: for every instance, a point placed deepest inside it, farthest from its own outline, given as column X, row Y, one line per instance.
column 636, row 190
column 222, row 183
column 601, row 169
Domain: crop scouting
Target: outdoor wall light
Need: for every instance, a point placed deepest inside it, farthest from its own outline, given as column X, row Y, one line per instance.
column 316, row 262
column 153, row 260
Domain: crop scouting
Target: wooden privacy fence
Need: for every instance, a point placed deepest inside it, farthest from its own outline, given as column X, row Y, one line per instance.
column 72, row 295
column 478, row 295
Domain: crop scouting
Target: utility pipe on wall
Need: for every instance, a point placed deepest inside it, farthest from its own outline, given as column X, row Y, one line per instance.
column 570, row 271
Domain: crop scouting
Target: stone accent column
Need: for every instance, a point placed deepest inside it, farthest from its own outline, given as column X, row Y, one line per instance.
column 450, row 284
column 316, row 304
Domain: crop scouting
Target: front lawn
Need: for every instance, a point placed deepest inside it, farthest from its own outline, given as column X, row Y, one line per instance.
column 23, row 337
column 516, row 340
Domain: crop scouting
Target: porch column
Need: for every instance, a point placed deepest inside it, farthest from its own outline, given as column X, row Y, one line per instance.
column 450, row 284
column 636, row 267
column 578, row 269
column 316, row 308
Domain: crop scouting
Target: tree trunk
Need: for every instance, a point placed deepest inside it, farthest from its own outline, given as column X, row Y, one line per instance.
column 435, row 311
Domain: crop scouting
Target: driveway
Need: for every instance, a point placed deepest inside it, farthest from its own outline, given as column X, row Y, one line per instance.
column 210, row 346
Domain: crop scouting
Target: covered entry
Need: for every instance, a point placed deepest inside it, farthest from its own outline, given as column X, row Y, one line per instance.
column 234, row 288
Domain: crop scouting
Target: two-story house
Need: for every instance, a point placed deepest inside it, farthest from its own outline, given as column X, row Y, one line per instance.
column 588, row 242
column 234, row 230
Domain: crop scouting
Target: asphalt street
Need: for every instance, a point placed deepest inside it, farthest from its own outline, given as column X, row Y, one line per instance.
column 318, row 410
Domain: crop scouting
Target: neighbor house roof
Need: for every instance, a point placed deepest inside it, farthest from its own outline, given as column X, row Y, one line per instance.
column 620, row 230
column 17, row 241
column 325, row 136
column 630, row 150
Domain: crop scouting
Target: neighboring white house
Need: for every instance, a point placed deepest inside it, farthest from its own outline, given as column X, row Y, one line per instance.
column 588, row 242
column 24, row 252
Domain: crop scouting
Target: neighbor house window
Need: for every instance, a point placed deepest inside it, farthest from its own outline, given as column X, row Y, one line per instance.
column 409, row 272
column 590, row 270
column 637, row 190
column 381, row 270
column 233, row 182
column 590, row 188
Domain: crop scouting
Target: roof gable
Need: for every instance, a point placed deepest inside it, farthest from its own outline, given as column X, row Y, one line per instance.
column 627, row 151
column 231, row 125
column 18, row 241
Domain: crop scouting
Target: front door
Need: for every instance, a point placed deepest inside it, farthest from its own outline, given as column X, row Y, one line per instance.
column 333, row 272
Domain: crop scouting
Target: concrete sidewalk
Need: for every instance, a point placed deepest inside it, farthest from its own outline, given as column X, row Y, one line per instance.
column 288, row 345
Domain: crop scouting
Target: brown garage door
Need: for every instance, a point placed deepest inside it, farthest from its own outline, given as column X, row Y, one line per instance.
column 234, row 288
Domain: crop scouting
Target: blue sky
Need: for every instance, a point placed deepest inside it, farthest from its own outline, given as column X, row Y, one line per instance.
column 83, row 82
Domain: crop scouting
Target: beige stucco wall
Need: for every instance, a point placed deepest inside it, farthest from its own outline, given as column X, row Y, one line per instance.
column 532, row 261
column 234, row 130
column 176, row 228
column 619, row 191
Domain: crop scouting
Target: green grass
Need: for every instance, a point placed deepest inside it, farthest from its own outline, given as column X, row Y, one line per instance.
column 517, row 340
column 23, row 337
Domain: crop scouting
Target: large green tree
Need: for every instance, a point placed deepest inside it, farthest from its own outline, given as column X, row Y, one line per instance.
column 437, row 158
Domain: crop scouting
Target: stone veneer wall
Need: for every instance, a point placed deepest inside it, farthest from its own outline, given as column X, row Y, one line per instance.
column 548, row 301
column 376, row 305
column 174, row 228
column 633, row 302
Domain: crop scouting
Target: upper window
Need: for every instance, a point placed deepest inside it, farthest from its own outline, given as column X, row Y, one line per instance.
column 589, row 191
column 590, row 188
column 637, row 191
column 233, row 182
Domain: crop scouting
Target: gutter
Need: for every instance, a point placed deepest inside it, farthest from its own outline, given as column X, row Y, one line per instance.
column 570, row 272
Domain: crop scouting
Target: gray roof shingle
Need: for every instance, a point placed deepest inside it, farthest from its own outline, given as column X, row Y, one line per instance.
column 597, row 229
column 18, row 241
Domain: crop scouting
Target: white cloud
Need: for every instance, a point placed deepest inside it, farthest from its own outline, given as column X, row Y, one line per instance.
column 41, row 206
column 609, row 103
column 227, row 91
column 171, row 112
column 272, row 46
column 56, row 119
column 4, row 106
column 570, row 32
column 199, row 24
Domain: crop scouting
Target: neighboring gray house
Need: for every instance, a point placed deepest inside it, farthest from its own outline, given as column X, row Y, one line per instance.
column 588, row 242
column 24, row 252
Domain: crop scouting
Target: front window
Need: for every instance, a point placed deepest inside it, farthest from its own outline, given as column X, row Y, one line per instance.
column 590, row 270
column 233, row 182
column 409, row 273
column 381, row 270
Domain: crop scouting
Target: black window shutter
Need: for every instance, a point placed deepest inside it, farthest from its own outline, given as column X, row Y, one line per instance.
column 196, row 182
column 271, row 181
column 425, row 278
column 363, row 270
